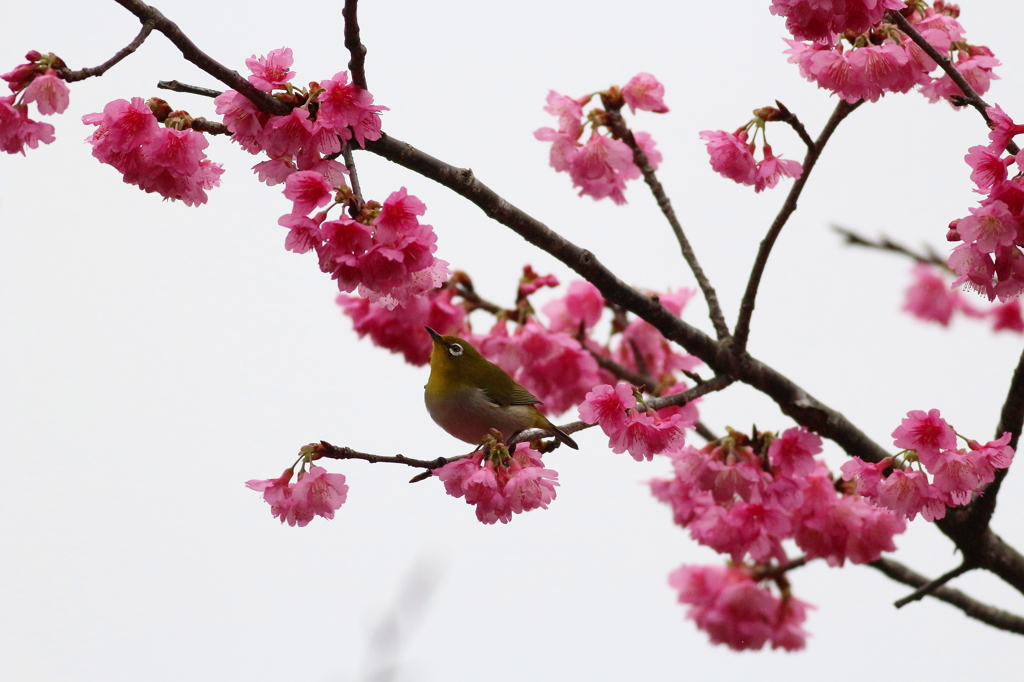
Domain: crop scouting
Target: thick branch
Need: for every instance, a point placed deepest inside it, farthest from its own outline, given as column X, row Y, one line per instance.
column 356, row 65
column 619, row 129
column 989, row 615
column 970, row 95
column 72, row 76
column 229, row 77
column 842, row 110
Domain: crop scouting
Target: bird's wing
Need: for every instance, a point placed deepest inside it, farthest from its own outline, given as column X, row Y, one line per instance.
column 520, row 396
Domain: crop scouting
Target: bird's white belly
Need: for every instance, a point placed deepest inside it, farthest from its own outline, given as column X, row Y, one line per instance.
column 469, row 415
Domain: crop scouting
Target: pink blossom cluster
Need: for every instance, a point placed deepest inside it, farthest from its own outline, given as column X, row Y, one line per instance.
column 316, row 493
column 36, row 81
column 325, row 116
column 746, row 503
column 601, row 166
column 730, row 605
column 823, row 20
column 732, row 157
column 989, row 260
column 929, row 441
column 931, row 299
column 400, row 329
column 642, row 434
column 500, row 485
column 876, row 56
column 157, row 159
column 386, row 252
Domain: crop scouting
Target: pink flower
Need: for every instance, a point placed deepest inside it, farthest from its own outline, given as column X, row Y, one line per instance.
column 307, row 190
column 989, row 226
column 868, row 475
column 816, row 20
column 1004, row 131
column 17, row 130
column 243, row 119
column 564, row 148
column 840, row 527
column 647, row 145
column 348, row 110
column 772, row 168
column 926, row 433
column 997, row 453
column 793, row 452
column 731, row 155
column 49, row 93
column 602, row 166
column 317, row 493
column 643, row 91
column 606, row 405
column 735, row 611
column 645, row 434
column 500, row 491
column 569, row 113
column 976, row 70
column 304, row 233
column 400, row 329
column 1007, row 316
column 907, row 493
column 581, row 305
column 929, row 297
column 272, row 71
column 163, row 160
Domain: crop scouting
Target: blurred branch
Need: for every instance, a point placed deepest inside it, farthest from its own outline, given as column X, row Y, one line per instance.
column 620, row 131
column 989, row 615
column 842, row 110
column 930, row 257
column 81, row 74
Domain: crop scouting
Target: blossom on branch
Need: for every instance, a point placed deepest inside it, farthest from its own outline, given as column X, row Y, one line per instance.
column 500, row 484
column 316, row 493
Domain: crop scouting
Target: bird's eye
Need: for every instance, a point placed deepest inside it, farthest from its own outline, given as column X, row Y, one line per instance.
column 455, row 349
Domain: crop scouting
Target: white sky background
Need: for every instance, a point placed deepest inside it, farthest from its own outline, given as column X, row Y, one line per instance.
column 155, row 357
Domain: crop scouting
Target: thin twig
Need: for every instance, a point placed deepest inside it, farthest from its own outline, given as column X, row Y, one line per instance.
column 969, row 93
column 81, row 74
column 619, row 130
column 932, row 585
column 203, row 125
column 842, row 110
column 229, row 77
column 178, row 86
column 886, row 244
column 334, row 452
column 621, row 372
column 356, row 64
column 704, row 432
column 772, row 572
column 973, row 608
column 787, row 116
column 353, row 176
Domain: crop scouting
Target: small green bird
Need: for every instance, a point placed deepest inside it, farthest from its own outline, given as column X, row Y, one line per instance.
column 467, row 395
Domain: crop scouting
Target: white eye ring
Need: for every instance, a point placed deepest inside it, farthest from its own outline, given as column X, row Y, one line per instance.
column 456, row 349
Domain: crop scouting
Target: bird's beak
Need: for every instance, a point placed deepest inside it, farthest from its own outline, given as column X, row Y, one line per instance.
column 435, row 336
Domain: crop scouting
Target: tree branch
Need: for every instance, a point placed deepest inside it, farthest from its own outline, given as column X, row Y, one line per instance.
column 886, row 244
column 932, row 585
column 989, row 615
column 72, row 76
column 356, row 64
column 229, row 77
column 178, row 86
column 970, row 95
column 620, row 131
column 842, row 110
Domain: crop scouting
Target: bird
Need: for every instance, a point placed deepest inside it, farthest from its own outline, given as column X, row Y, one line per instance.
column 467, row 395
